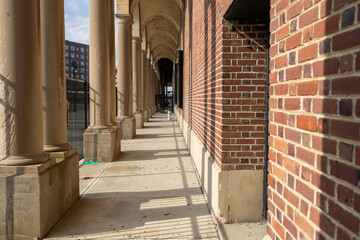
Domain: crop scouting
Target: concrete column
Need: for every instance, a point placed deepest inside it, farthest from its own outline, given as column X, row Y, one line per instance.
column 125, row 117
column 53, row 73
column 21, row 122
column 148, row 92
column 112, row 64
column 36, row 190
column 136, row 51
column 144, row 83
column 99, row 64
column 101, row 140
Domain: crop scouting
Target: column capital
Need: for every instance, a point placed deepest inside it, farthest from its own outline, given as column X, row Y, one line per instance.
column 123, row 18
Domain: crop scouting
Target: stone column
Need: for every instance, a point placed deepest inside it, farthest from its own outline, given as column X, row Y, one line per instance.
column 153, row 91
column 136, row 50
column 112, row 64
column 101, row 141
column 148, row 107
column 21, row 123
column 53, row 73
column 28, row 197
column 125, row 117
column 144, row 83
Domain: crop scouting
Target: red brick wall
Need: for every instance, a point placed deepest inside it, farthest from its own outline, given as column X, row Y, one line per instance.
column 243, row 95
column 224, row 84
column 314, row 156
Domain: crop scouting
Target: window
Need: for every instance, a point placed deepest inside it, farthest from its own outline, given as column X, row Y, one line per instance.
column 82, row 63
column 66, row 54
column 72, row 48
column 72, row 55
column 77, row 55
column 67, row 68
column 82, row 76
column 66, row 47
column 67, row 61
column 82, row 50
column 67, row 75
column 82, row 56
column 77, row 49
column 82, row 70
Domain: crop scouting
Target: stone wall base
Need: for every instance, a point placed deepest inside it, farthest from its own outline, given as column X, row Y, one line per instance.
column 128, row 127
column 139, row 119
column 232, row 196
column 35, row 197
column 102, row 144
column 146, row 116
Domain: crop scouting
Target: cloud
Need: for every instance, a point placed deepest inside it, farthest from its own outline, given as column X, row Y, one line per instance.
column 77, row 21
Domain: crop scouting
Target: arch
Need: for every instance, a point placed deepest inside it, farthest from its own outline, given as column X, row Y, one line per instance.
column 164, row 39
column 166, row 8
column 160, row 24
column 164, row 55
column 164, row 48
column 134, row 3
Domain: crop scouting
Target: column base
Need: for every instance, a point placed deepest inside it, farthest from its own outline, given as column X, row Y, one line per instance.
column 37, row 196
column 149, row 113
column 102, row 144
column 139, row 119
column 146, row 115
column 128, row 127
column 153, row 110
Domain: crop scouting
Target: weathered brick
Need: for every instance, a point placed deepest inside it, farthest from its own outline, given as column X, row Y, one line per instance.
column 345, row 195
column 348, row 17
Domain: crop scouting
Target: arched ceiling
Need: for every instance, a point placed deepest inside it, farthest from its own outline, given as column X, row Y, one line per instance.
column 160, row 20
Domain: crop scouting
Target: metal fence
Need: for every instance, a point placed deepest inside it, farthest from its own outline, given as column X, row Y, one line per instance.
column 77, row 92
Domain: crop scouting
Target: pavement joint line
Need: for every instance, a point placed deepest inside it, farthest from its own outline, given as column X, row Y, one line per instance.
column 94, row 180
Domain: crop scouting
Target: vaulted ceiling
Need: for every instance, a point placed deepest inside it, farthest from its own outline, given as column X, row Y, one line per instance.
column 156, row 21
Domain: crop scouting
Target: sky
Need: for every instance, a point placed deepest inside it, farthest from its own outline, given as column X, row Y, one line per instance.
column 77, row 21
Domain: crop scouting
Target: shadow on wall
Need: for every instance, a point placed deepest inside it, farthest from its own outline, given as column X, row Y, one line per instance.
column 337, row 202
column 322, row 128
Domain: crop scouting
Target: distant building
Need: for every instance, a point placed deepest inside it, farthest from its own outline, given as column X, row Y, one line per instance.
column 77, row 60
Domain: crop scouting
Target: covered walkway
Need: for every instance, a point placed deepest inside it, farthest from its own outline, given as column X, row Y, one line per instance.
column 152, row 192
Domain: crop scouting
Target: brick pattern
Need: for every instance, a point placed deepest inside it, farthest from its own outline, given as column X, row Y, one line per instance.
column 224, row 84
column 243, row 95
column 202, row 44
column 314, row 155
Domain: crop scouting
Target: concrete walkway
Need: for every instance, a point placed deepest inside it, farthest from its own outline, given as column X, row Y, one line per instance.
column 152, row 192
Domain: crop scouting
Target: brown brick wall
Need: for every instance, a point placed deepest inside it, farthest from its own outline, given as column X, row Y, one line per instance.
column 314, row 156
column 224, row 84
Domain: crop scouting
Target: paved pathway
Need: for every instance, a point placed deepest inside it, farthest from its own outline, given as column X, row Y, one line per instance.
column 151, row 193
